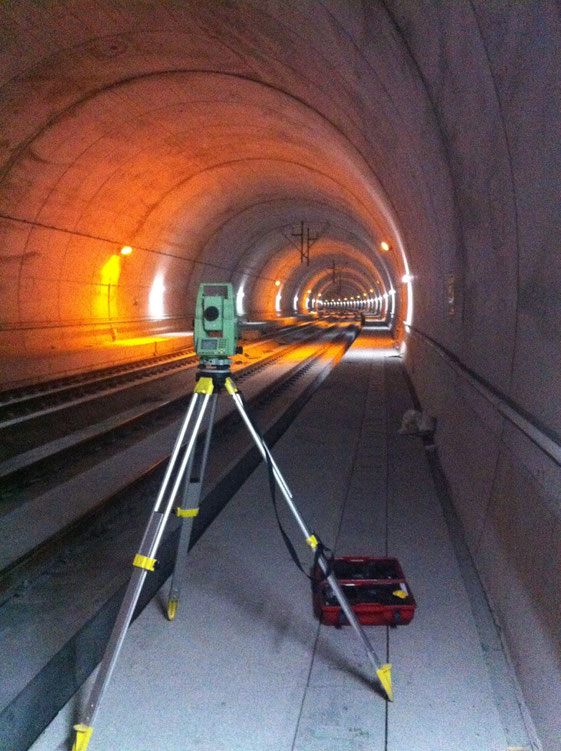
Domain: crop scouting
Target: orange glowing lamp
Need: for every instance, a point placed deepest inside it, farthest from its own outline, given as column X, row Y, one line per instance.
column 384, row 245
column 126, row 250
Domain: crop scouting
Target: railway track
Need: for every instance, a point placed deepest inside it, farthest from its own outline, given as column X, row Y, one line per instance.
column 23, row 409
column 18, row 404
column 26, row 417
column 33, row 482
column 25, row 402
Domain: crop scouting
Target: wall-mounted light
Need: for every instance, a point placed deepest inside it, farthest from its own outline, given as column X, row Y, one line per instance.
column 278, row 297
column 451, row 294
column 406, row 278
column 309, row 291
column 126, row 250
column 240, row 310
column 384, row 245
column 156, row 298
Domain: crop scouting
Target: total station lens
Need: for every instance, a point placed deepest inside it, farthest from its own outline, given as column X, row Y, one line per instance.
column 211, row 313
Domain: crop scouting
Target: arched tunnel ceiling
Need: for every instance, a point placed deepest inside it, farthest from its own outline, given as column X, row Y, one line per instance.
column 163, row 152
column 165, row 162
column 198, row 132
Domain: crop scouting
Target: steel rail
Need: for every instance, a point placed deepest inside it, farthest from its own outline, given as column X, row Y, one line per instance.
column 24, row 461
column 27, row 402
column 37, row 559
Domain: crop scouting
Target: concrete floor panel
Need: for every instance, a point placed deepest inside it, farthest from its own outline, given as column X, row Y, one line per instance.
column 246, row 667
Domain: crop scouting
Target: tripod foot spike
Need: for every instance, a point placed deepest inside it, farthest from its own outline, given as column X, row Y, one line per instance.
column 385, row 678
column 172, row 609
column 83, row 735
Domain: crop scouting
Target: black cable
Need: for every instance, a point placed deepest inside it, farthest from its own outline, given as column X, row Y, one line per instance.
column 321, row 550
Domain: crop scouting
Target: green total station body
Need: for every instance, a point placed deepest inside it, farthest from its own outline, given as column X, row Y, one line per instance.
column 216, row 333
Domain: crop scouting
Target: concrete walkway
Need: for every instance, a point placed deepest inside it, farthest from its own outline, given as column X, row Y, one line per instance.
column 245, row 667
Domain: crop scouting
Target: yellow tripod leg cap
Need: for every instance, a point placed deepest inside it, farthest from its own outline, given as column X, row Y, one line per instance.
column 385, row 678
column 83, row 735
column 172, row 609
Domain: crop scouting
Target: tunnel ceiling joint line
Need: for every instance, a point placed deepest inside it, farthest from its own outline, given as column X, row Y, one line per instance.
column 512, row 187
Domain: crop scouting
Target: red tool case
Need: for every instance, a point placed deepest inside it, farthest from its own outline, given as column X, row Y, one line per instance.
column 375, row 588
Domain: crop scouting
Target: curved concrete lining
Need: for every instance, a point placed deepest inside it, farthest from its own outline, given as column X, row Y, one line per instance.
column 203, row 133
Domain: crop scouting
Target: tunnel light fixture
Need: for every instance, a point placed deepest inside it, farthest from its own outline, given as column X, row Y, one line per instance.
column 126, row 250
column 384, row 245
column 406, row 278
column 239, row 300
column 371, row 290
column 156, row 306
column 277, row 283
column 309, row 291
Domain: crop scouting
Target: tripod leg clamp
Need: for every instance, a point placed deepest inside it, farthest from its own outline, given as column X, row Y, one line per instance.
column 83, row 735
column 204, row 386
column 186, row 512
column 142, row 561
column 231, row 387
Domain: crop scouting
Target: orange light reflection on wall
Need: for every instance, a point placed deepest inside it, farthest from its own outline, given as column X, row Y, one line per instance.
column 105, row 305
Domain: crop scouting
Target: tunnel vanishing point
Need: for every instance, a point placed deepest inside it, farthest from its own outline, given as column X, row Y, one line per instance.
column 409, row 149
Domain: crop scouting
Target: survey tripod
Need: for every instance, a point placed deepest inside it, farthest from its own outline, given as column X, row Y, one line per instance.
column 179, row 476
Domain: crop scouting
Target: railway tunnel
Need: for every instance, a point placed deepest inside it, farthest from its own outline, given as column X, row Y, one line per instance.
column 399, row 160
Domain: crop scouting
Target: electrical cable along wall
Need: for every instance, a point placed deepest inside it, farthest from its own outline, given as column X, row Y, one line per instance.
column 205, row 135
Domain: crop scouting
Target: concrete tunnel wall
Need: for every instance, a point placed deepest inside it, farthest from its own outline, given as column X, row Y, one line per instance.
column 202, row 133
